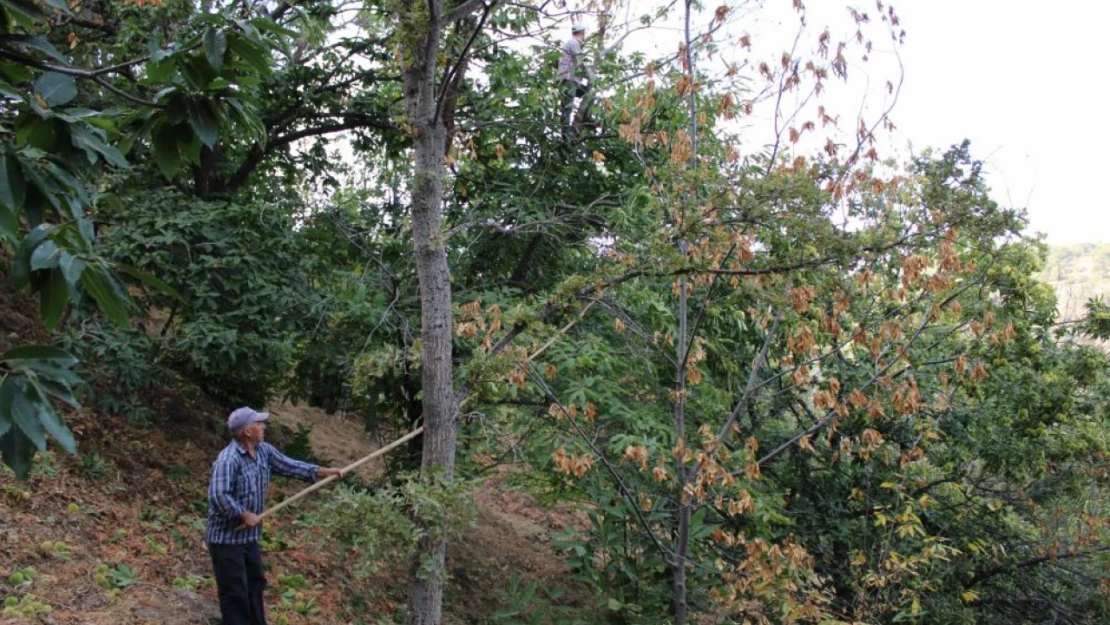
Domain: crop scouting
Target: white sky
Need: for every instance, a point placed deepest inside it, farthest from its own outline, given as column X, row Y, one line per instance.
column 1024, row 80
column 1021, row 79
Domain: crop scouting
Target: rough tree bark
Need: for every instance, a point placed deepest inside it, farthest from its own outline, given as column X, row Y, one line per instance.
column 422, row 28
column 421, row 25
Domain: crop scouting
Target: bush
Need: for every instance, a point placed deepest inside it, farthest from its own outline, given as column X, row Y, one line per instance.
column 379, row 528
column 243, row 293
column 126, row 358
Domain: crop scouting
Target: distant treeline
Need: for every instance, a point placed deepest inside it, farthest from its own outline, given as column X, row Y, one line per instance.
column 1077, row 273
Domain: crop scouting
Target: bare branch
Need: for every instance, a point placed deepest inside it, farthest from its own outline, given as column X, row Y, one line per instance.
column 752, row 377
column 449, row 76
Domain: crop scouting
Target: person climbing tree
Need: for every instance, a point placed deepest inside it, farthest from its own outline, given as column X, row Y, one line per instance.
column 570, row 76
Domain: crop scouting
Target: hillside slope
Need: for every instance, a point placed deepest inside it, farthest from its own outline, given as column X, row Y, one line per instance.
column 114, row 535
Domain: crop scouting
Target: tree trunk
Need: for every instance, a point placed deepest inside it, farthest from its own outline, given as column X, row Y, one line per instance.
column 421, row 30
column 682, row 537
column 680, row 595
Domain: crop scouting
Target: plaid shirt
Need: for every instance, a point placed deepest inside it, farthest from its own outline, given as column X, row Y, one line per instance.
column 239, row 485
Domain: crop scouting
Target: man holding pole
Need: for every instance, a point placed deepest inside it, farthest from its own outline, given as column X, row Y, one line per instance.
column 236, row 498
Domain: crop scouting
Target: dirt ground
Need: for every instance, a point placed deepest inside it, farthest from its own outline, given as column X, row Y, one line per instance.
column 140, row 504
column 114, row 535
column 338, row 439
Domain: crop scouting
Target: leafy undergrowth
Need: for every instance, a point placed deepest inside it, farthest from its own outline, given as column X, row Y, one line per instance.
column 115, row 535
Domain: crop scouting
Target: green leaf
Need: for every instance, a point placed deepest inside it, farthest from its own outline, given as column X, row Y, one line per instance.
column 7, row 396
column 36, row 42
column 158, row 72
column 79, row 112
column 76, row 197
column 17, row 451
column 166, row 153
column 59, row 389
column 55, row 356
column 54, row 296
column 17, row 74
column 215, row 46
column 23, row 11
column 149, row 280
column 175, row 106
column 102, row 122
column 84, row 227
column 255, row 55
column 6, row 90
column 87, row 140
column 21, row 261
column 44, row 370
column 203, row 121
column 55, row 88
column 25, row 414
column 72, row 267
column 9, row 224
column 197, row 72
column 13, row 188
column 50, row 420
column 251, row 120
column 189, row 145
column 263, row 23
column 142, row 132
column 48, row 191
column 45, row 256
column 110, row 301
column 57, row 4
column 157, row 52
column 39, row 133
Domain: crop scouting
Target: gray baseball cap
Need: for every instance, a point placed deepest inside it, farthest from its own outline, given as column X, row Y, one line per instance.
column 242, row 417
column 578, row 28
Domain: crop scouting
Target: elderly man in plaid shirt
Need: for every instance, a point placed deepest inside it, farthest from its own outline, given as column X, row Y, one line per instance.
column 236, row 498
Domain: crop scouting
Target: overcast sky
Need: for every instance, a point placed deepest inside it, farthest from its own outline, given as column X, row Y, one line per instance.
column 1020, row 78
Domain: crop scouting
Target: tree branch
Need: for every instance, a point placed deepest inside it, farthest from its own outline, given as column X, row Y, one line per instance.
column 353, row 122
column 93, row 75
column 450, row 76
column 1048, row 557
column 752, row 375
column 622, row 488
column 831, row 413
column 464, row 9
column 258, row 152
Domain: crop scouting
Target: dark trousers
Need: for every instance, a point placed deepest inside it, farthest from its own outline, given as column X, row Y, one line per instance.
column 239, row 582
column 571, row 89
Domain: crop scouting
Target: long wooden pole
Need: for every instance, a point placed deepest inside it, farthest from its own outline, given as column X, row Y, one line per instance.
column 347, row 469
column 404, row 439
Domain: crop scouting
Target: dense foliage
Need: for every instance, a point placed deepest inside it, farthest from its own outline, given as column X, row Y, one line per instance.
column 783, row 385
